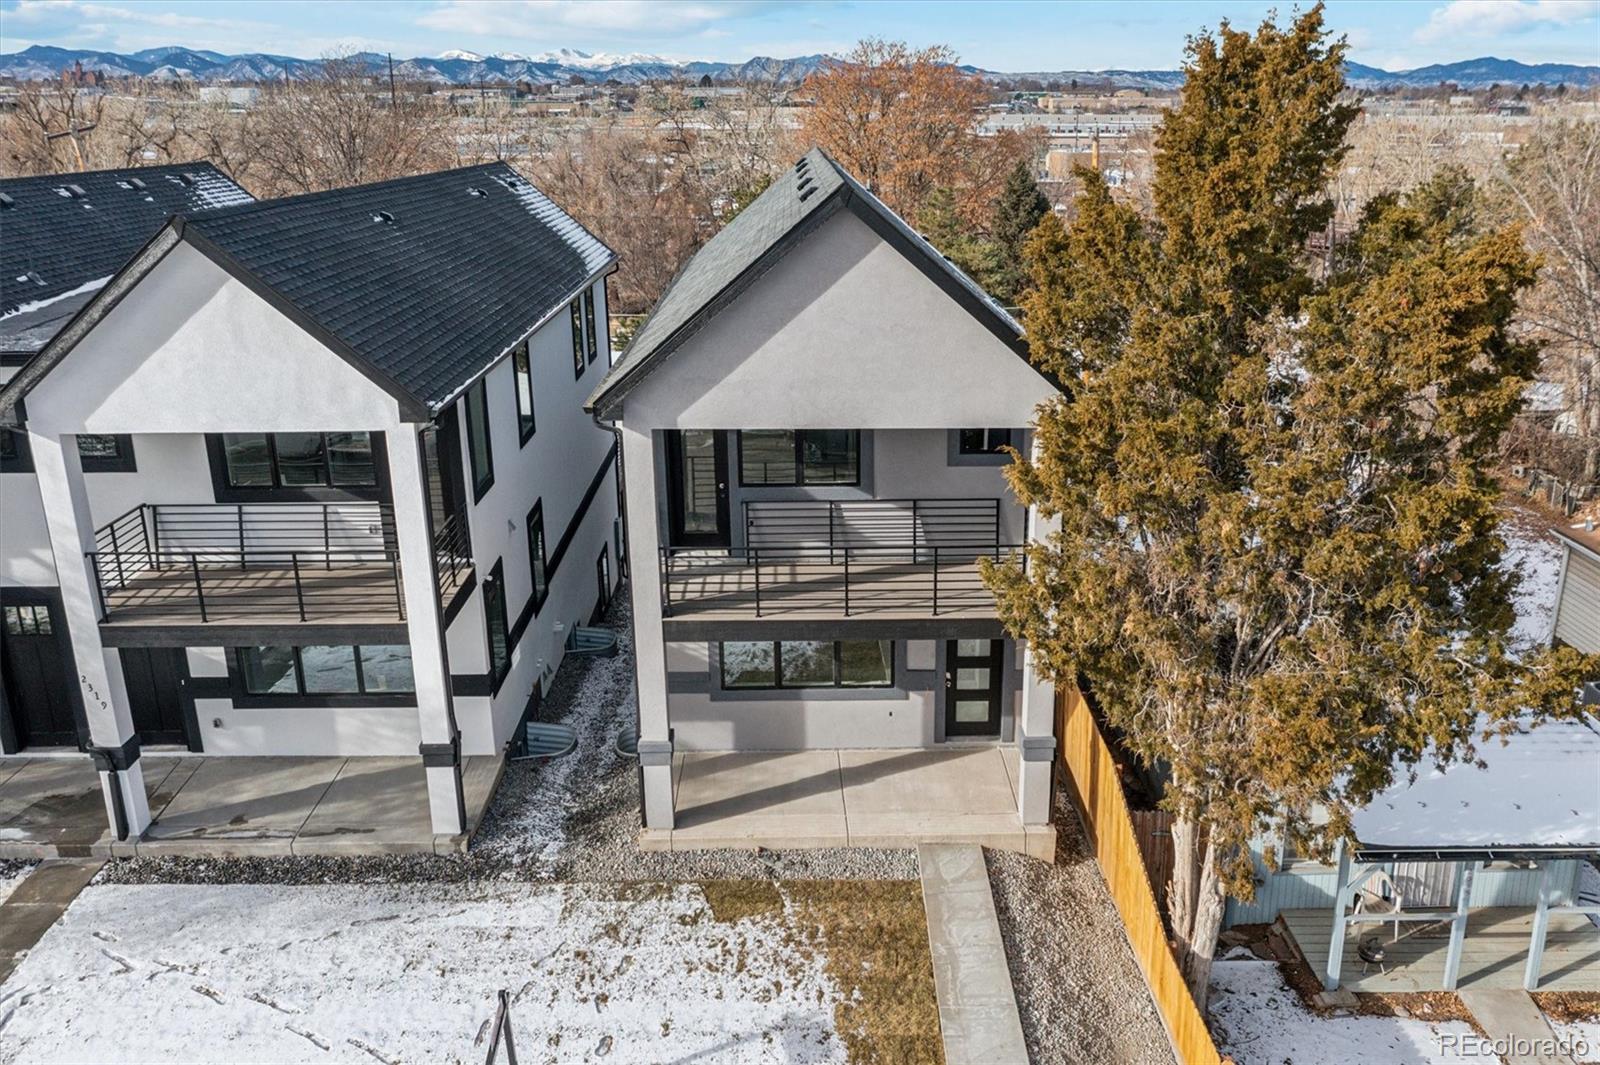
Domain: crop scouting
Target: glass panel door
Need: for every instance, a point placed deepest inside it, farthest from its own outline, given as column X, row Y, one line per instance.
column 972, row 687
column 699, row 488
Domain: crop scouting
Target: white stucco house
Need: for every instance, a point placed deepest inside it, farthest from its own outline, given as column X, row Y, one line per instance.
column 359, row 506
column 812, row 424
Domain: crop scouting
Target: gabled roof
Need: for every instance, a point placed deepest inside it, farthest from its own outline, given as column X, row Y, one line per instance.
column 62, row 236
column 422, row 283
column 798, row 201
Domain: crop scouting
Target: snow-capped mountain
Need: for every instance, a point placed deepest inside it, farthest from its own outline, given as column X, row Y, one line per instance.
column 471, row 57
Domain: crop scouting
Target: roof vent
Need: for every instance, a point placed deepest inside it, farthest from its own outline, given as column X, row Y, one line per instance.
column 807, row 194
column 6, row 201
column 76, row 192
column 188, row 179
column 475, row 191
column 384, row 217
column 137, row 183
column 32, row 275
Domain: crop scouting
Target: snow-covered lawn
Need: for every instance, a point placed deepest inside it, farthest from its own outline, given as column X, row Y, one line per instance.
column 1581, row 1037
column 1259, row 1020
column 410, row 972
column 1535, row 554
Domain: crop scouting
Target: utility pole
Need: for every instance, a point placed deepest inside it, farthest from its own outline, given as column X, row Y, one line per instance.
column 391, row 80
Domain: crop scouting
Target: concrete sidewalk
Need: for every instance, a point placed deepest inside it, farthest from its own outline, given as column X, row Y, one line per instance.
column 977, row 1006
column 42, row 897
column 1515, row 1025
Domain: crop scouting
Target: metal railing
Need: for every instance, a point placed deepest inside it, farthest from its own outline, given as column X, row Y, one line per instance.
column 452, row 553
column 249, row 562
column 916, row 525
column 926, row 579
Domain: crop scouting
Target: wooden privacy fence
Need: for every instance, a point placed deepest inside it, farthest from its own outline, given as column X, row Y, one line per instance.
column 1097, row 791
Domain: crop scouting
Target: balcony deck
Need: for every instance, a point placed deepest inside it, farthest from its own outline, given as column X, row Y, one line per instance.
column 343, row 593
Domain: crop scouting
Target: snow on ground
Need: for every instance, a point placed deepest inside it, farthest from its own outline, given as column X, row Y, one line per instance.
column 1259, row 1020
column 410, row 973
column 1536, row 555
column 1581, row 1038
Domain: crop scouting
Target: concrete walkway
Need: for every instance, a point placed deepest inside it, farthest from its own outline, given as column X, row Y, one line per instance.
column 51, row 807
column 977, row 1007
column 1515, row 1026
column 42, row 897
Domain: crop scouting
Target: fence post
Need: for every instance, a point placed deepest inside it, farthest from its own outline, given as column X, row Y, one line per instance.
column 755, row 562
column 502, row 1028
column 199, row 589
column 154, row 536
column 239, row 520
column 847, row 581
column 666, row 582
column 914, row 555
column 327, row 542
column 116, row 551
column 299, row 594
column 99, row 589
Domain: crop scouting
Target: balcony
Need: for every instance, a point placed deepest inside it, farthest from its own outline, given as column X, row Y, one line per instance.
column 879, row 560
column 263, row 564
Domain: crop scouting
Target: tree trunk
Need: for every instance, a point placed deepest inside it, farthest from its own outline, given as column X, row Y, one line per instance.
column 1197, row 902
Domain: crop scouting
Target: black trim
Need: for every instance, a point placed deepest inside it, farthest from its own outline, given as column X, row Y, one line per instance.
column 495, row 584
column 472, row 685
column 692, row 629
column 223, row 492
column 575, row 315
column 210, row 688
column 482, row 479
column 247, row 700
column 590, row 334
column 217, row 635
column 537, row 561
column 459, row 599
column 21, row 461
column 1492, row 853
column 121, row 462
column 530, row 416
column 117, row 759
column 441, row 755
column 571, row 530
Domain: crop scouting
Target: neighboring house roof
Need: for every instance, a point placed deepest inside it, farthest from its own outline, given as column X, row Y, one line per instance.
column 62, row 236
column 798, row 201
column 1583, row 535
column 422, row 283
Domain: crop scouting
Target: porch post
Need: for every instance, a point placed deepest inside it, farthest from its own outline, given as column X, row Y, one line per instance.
column 1333, row 969
column 1037, row 743
column 1458, row 924
column 1541, row 927
column 430, row 667
column 111, row 742
column 649, row 643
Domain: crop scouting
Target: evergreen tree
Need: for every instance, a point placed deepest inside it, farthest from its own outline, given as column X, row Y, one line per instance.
column 940, row 224
column 1017, row 213
column 1277, row 559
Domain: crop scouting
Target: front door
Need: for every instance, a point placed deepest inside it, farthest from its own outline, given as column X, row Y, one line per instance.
column 697, row 472
column 33, row 654
column 972, row 671
column 157, row 680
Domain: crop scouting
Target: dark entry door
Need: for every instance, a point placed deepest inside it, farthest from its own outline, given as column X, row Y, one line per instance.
column 697, row 472
column 972, row 670
column 157, row 679
column 33, row 652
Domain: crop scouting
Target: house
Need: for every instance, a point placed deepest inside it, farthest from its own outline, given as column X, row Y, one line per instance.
column 355, row 506
column 1578, row 598
column 814, row 421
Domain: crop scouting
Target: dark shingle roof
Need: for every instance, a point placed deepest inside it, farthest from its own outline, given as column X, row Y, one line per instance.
column 63, row 235
column 428, row 279
column 800, row 196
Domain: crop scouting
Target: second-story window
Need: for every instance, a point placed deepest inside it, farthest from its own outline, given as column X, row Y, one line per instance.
column 478, row 448
column 588, row 324
column 778, row 457
column 537, row 558
column 299, row 460
column 523, row 370
column 578, row 361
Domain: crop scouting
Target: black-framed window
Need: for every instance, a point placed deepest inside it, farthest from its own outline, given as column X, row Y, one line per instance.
column 983, row 441
column 16, row 455
column 494, row 620
column 770, row 458
column 479, row 450
column 306, row 461
column 588, row 324
column 106, row 453
column 806, row 664
column 575, row 312
column 522, row 370
column 322, row 674
column 538, row 560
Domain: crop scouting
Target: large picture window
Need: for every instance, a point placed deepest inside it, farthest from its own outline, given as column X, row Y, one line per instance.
column 333, row 674
column 299, row 460
column 478, row 448
column 578, row 361
column 807, row 664
column 789, row 457
column 523, row 369
column 984, row 441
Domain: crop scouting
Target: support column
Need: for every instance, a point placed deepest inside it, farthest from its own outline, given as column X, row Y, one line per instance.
column 112, row 743
column 430, row 666
column 1333, row 968
column 1458, row 924
column 1541, row 927
column 1037, row 742
column 649, row 644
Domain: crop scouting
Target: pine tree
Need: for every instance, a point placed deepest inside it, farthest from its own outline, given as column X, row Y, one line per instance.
column 1017, row 213
column 1277, row 560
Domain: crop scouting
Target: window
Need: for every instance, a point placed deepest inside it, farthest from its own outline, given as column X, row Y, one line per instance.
column 777, row 457
column 106, row 453
column 588, row 324
column 808, row 664
column 578, row 361
column 524, row 375
column 298, row 460
column 15, row 454
column 478, row 439
column 28, row 621
column 537, row 560
column 321, row 673
column 984, row 441
column 494, row 615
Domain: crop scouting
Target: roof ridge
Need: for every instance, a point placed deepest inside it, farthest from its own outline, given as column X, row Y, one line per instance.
column 344, row 190
column 67, row 178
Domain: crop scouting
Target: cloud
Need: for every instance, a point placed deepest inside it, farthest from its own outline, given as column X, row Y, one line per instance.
column 526, row 18
column 1489, row 18
column 128, row 28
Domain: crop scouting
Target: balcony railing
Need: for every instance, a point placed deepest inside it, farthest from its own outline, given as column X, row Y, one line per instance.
column 915, row 525
column 250, row 563
column 452, row 555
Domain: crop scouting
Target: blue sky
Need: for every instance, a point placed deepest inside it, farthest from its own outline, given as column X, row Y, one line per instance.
column 1011, row 36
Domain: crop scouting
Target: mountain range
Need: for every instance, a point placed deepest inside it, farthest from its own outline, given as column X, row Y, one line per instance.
column 553, row 67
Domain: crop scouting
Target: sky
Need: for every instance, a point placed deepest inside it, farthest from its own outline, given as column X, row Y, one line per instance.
column 1005, row 36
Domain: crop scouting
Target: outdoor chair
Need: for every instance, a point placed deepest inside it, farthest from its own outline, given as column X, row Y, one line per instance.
column 1379, row 895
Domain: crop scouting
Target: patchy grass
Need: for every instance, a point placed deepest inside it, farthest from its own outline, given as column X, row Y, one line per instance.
column 739, row 900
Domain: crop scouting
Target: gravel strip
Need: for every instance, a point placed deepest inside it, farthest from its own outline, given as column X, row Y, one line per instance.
column 574, row 819
column 1079, row 990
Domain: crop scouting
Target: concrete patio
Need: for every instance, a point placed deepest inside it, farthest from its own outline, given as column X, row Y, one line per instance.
column 51, row 807
column 848, row 798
